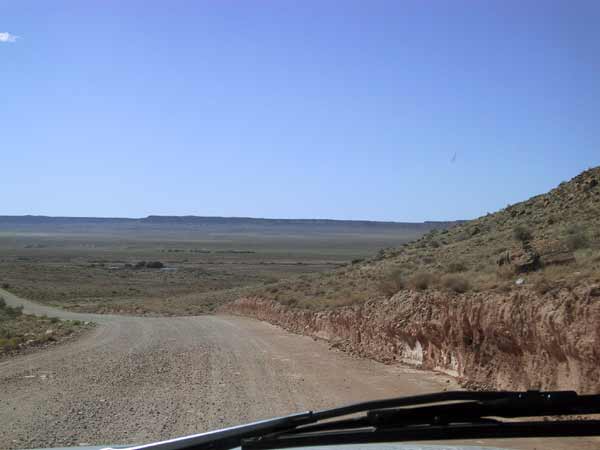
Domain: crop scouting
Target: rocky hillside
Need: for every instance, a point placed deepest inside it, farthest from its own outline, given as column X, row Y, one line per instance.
column 509, row 300
column 547, row 242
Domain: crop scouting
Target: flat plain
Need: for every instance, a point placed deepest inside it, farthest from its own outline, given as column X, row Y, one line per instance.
column 101, row 265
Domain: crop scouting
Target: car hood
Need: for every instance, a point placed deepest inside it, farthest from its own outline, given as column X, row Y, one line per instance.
column 329, row 447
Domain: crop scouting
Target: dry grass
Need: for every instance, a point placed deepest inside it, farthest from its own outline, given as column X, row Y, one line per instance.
column 456, row 284
column 422, row 281
column 91, row 273
column 542, row 285
column 392, row 283
column 456, row 267
column 19, row 331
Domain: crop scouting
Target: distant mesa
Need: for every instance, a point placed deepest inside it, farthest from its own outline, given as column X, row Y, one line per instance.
column 153, row 223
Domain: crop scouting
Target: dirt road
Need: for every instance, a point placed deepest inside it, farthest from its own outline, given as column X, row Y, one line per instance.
column 137, row 379
column 132, row 380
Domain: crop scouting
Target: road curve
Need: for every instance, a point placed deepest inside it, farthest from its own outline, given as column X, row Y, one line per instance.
column 135, row 379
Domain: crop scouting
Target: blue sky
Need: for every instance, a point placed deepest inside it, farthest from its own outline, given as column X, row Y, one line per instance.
column 310, row 109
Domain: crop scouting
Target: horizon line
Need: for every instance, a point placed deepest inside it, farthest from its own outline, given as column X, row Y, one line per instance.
column 190, row 216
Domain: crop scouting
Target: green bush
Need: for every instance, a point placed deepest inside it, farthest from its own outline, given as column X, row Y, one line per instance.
column 9, row 344
column 4, row 333
column 8, row 311
column 4, row 344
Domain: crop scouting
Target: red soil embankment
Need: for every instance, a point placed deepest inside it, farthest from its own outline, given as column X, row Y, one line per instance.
column 521, row 341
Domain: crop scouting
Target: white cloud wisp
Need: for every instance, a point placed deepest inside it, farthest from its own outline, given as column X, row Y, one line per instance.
column 7, row 37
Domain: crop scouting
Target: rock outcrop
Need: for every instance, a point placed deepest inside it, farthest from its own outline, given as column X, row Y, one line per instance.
column 532, row 256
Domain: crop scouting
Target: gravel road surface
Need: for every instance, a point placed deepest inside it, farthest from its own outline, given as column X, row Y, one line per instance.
column 137, row 379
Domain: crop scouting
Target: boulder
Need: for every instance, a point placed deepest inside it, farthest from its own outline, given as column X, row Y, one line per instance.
column 524, row 259
column 532, row 256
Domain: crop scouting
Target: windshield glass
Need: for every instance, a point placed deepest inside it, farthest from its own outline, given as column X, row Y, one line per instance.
column 214, row 212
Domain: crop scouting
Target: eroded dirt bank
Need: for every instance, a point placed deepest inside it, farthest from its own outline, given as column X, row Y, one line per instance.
column 517, row 341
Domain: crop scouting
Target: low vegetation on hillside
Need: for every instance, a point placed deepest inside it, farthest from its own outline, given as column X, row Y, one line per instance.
column 548, row 242
column 19, row 331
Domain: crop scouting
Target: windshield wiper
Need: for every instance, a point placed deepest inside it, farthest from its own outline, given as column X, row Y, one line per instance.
column 475, row 416
column 447, row 415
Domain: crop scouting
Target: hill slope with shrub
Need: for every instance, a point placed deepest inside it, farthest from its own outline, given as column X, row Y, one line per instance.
column 547, row 242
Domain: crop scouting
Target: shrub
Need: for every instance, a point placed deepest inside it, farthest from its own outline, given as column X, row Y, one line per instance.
column 8, row 311
column 392, row 283
column 577, row 238
column 422, row 281
column 155, row 265
column 9, row 344
column 457, row 284
column 578, row 241
column 428, row 259
column 4, row 344
column 140, row 265
column 456, row 267
column 504, row 288
column 522, row 234
column 292, row 302
column 543, row 286
column 505, row 272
